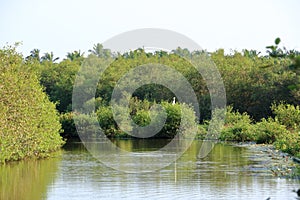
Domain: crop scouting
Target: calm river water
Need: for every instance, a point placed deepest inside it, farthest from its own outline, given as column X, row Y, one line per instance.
column 225, row 173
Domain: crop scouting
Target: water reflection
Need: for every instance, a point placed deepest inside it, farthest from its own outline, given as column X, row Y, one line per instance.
column 223, row 174
column 137, row 156
column 27, row 179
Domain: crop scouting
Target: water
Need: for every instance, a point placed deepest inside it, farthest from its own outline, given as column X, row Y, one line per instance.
column 75, row 174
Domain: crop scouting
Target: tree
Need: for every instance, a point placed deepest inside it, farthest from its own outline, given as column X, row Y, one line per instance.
column 75, row 55
column 251, row 53
column 274, row 50
column 100, row 52
column 58, row 80
column 49, row 57
column 29, row 124
column 35, row 55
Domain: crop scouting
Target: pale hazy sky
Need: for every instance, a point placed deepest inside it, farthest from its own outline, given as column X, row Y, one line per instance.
column 62, row 26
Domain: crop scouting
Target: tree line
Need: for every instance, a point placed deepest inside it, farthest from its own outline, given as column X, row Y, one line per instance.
column 36, row 95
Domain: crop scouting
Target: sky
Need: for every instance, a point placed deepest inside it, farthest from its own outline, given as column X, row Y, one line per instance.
column 63, row 26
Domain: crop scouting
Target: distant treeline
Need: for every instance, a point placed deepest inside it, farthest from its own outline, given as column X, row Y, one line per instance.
column 29, row 124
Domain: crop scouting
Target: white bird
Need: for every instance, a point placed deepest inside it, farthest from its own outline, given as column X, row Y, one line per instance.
column 173, row 101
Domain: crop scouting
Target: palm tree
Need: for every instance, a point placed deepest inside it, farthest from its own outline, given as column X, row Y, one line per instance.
column 251, row 53
column 34, row 54
column 100, row 52
column 49, row 57
column 75, row 55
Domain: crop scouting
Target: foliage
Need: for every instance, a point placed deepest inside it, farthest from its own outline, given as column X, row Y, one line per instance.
column 75, row 55
column 34, row 55
column 68, row 125
column 237, row 127
column 289, row 143
column 58, row 80
column 282, row 131
column 140, row 115
column 29, row 124
column 268, row 130
column 100, row 52
column 93, row 104
column 288, row 115
column 202, row 131
column 107, row 122
column 86, row 124
column 253, row 83
column 255, row 87
column 49, row 57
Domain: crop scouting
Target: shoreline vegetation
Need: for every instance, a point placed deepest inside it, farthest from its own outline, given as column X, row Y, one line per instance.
column 263, row 95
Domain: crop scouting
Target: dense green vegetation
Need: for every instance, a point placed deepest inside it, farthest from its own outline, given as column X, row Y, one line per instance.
column 140, row 115
column 29, row 123
column 263, row 93
column 256, row 87
column 283, row 130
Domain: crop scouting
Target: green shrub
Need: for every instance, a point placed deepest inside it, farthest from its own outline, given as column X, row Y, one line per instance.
column 288, row 115
column 202, row 131
column 107, row 122
column 237, row 127
column 267, row 131
column 141, row 116
column 289, row 143
column 179, row 116
column 92, row 104
column 29, row 122
column 68, row 125
column 173, row 120
column 289, row 139
column 86, row 124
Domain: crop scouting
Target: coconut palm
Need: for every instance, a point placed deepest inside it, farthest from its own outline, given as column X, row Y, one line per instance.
column 49, row 57
column 34, row 54
column 100, row 52
column 75, row 55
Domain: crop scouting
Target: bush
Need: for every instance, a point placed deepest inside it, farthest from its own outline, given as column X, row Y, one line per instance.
column 288, row 115
column 140, row 116
column 202, row 131
column 107, row 122
column 289, row 143
column 68, row 125
column 86, row 124
column 173, row 120
column 29, row 123
column 237, row 127
column 267, row 131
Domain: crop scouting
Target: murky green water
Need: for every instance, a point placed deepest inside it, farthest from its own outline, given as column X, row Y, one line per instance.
column 225, row 173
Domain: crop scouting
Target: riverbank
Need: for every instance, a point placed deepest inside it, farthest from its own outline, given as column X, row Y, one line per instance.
column 269, row 161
